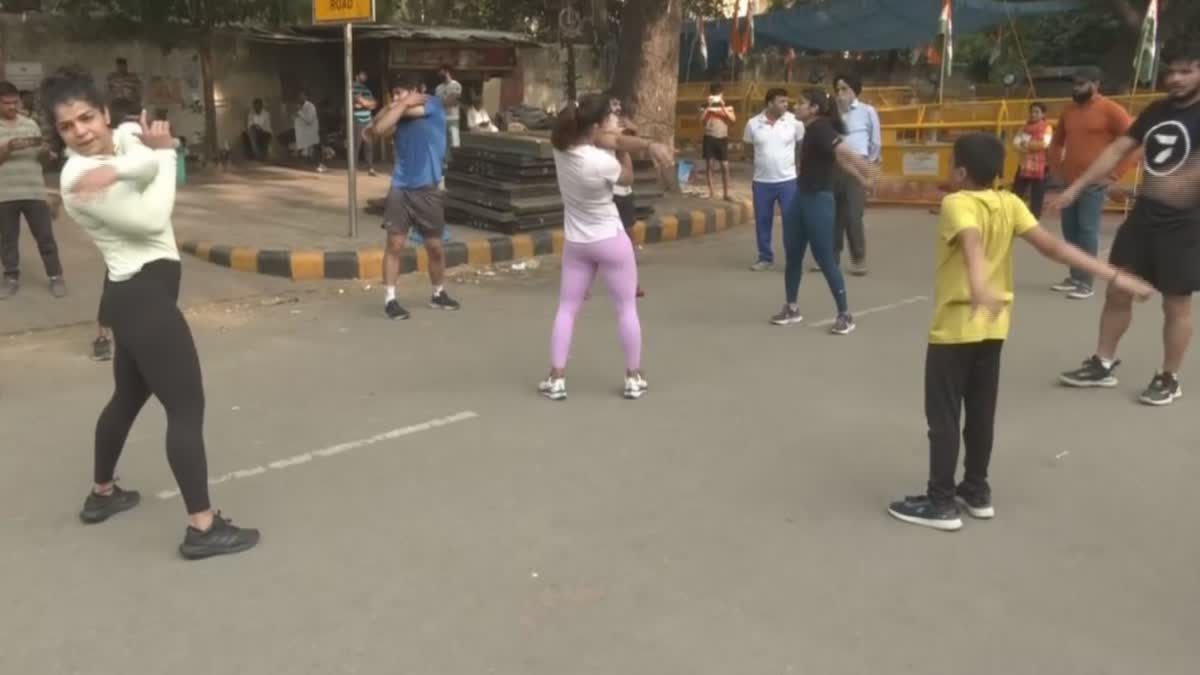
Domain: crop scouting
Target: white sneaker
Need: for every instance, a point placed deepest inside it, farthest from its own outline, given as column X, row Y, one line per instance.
column 553, row 388
column 635, row 387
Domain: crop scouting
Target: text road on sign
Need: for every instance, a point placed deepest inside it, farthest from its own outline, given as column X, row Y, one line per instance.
column 341, row 11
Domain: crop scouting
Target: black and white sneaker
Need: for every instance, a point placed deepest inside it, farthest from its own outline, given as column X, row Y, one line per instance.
column 978, row 503
column 1163, row 390
column 844, row 325
column 442, row 300
column 1093, row 373
column 395, row 311
column 787, row 316
column 922, row 511
column 223, row 538
column 1065, row 286
column 1081, row 292
column 99, row 508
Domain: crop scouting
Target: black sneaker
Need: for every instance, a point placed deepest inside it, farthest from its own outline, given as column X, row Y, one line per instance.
column 99, row 508
column 844, row 325
column 102, row 349
column 395, row 311
column 978, row 502
column 1092, row 373
column 787, row 316
column 442, row 300
column 922, row 511
column 9, row 287
column 223, row 538
column 1163, row 390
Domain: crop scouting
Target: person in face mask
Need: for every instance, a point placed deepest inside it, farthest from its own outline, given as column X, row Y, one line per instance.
column 1084, row 130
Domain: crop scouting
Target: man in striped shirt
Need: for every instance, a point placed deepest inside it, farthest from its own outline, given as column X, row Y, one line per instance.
column 23, row 193
column 364, row 107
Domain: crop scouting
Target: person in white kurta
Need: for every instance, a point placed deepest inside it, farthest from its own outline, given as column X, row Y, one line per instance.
column 308, row 131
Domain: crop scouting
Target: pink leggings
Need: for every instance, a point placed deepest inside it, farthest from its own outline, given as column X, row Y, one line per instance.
column 614, row 259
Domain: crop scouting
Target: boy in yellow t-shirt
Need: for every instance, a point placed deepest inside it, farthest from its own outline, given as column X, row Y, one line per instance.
column 976, row 233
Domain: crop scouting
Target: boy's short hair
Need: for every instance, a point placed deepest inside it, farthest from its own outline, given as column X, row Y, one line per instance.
column 982, row 156
column 716, row 88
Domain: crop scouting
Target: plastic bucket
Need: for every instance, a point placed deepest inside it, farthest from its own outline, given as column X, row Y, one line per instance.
column 685, row 171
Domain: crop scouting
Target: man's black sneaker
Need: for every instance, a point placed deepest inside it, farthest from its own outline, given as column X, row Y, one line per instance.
column 978, row 502
column 102, row 349
column 223, row 538
column 99, row 508
column 1092, row 373
column 442, row 300
column 395, row 311
column 1163, row 390
column 922, row 511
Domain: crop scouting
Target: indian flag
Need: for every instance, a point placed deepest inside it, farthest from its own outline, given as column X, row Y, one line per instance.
column 946, row 30
column 1147, row 54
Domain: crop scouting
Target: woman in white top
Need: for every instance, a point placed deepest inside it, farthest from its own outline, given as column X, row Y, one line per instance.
column 122, row 193
column 595, row 239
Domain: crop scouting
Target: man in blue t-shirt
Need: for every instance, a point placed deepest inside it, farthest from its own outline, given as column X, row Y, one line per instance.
column 364, row 106
column 415, row 198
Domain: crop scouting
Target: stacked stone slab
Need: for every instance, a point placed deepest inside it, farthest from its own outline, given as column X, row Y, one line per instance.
column 506, row 183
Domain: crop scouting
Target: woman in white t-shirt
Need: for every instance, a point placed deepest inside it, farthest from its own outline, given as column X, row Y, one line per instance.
column 595, row 239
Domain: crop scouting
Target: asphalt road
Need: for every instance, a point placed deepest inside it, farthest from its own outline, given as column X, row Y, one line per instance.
column 424, row 512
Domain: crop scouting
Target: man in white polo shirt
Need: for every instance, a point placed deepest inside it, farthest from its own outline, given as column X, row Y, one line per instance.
column 774, row 133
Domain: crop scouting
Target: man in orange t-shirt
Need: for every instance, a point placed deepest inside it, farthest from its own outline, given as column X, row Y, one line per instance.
column 1085, row 129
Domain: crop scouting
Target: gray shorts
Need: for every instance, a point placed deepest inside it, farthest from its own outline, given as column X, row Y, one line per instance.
column 421, row 208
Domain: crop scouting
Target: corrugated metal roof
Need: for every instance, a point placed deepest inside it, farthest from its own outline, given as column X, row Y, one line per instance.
column 401, row 31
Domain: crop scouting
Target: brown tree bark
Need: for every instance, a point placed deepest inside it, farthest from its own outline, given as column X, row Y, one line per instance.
column 211, row 142
column 647, row 70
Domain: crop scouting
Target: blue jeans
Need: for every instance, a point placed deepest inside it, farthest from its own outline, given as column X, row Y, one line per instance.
column 810, row 221
column 765, row 197
column 1081, row 226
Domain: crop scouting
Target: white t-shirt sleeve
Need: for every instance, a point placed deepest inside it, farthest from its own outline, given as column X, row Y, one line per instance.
column 605, row 164
column 748, row 135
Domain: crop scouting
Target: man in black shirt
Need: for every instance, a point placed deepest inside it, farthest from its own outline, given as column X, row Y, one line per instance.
column 1160, row 240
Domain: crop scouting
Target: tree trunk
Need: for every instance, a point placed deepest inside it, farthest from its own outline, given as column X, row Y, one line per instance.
column 647, row 70
column 211, row 144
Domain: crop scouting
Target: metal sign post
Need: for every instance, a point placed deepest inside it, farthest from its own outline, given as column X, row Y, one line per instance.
column 347, row 13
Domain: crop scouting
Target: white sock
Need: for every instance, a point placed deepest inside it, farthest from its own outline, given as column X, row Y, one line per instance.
column 391, row 294
column 1107, row 363
column 437, row 290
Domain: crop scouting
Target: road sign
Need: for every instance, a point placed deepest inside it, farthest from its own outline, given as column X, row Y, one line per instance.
column 343, row 11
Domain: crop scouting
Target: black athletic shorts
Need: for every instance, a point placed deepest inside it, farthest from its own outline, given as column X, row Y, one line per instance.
column 627, row 209
column 1168, row 256
column 715, row 148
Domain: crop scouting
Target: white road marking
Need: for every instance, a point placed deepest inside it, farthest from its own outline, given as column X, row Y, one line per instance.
column 872, row 310
column 333, row 450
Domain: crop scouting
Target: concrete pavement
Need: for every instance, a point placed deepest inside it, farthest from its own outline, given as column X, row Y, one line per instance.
column 730, row 522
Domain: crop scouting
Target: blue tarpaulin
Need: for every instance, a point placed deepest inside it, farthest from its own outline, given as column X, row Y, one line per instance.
column 867, row 25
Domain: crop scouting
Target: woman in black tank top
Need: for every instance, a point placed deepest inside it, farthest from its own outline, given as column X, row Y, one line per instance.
column 809, row 221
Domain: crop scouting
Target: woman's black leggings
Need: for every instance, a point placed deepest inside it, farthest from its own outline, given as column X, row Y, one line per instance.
column 155, row 355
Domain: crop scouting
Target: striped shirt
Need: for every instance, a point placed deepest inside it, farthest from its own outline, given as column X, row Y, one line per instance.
column 21, row 175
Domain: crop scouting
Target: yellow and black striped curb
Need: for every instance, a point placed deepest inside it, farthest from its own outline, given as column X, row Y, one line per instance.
column 304, row 265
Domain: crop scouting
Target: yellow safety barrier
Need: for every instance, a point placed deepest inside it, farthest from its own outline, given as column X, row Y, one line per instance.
column 917, row 143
